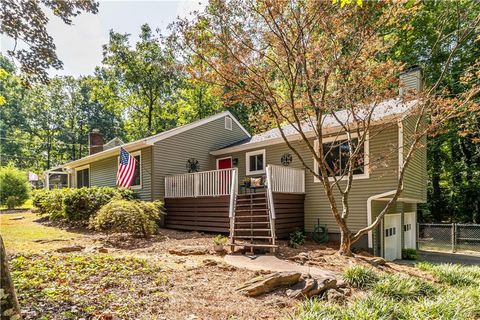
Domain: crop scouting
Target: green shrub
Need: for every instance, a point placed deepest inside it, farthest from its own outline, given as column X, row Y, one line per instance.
column 80, row 204
column 220, row 240
column 50, row 202
column 135, row 217
column 451, row 274
column 14, row 187
column 297, row 238
column 403, row 287
column 409, row 254
column 359, row 277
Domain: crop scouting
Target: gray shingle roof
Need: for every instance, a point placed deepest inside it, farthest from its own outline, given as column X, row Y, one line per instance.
column 388, row 108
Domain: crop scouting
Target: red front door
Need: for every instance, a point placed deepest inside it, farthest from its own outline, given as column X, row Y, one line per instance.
column 225, row 176
column 224, row 163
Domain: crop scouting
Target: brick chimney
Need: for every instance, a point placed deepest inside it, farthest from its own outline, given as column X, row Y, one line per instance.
column 411, row 80
column 95, row 142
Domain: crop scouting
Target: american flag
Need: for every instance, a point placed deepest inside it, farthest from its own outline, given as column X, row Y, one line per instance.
column 126, row 169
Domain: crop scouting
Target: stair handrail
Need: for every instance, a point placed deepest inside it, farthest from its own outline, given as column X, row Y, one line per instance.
column 233, row 197
column 270, row 203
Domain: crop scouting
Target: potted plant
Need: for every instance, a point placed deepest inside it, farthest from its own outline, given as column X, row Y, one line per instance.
column 246, row 182
column 218, row 242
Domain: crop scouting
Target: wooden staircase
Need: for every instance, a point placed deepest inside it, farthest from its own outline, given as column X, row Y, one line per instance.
column 252, row 223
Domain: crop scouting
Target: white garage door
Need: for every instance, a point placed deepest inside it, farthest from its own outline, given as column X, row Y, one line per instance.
column 409, row 225
column 392, row 236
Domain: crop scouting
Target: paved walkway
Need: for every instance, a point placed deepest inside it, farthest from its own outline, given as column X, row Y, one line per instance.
column 445, row 257
column 272, row 263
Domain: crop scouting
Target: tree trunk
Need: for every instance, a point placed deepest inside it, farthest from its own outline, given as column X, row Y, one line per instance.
column 345, row 242
column 10, row 308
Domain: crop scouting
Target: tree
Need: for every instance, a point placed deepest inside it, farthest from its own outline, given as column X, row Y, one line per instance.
column 14, row 187
column 26, row 21
column 453, row 156
column 313, row 62
column 138, row 81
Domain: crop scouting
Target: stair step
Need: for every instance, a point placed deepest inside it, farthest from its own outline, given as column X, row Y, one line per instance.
column 250, row 229
column 253, row 237
column 253, row 245
column 251, row 199
column 252, row 222
column 252, row 216
column 251, row 210
column 248, row 204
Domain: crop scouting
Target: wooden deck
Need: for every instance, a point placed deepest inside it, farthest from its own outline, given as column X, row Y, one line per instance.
column 210, row 214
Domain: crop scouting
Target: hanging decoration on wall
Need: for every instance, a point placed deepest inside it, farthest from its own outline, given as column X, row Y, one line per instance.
column 286, row 159
column 192, row 165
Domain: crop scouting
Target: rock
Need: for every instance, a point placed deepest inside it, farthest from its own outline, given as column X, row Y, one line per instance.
column 189, row 251
column 321, row 285
column 102, row 250
column 17, row 218
column 378, row 262
column 301, row 258
column 335, row 296
column 300, row 289
column 70, row 249
column 210, row 262
column 264, row 284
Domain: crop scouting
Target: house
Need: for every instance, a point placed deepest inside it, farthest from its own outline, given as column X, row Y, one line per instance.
column 199, row 171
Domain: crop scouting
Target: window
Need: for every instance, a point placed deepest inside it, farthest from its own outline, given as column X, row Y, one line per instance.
column 137, row 174
column 83, row 176
column 255, row 162
column 228, row 123
column 337, row 153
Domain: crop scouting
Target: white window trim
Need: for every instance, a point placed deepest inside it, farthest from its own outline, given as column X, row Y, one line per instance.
column 230, row 121
column 134, row 154
column 247, row 160
column 366, row 149
column 218, row 160
column 87, row 166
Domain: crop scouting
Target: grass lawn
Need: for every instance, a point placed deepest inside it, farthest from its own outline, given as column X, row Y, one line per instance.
column 25, row 235
column 27, row 205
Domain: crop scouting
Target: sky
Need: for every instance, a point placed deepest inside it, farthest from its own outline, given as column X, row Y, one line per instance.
column 79, row 46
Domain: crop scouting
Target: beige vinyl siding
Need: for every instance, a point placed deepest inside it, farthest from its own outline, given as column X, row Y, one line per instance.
column 415, row 183
column 383, row 177
column 103, row 173
column 171, row 155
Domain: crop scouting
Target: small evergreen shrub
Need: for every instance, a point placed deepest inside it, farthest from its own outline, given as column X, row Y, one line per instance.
column 50, row 202
column 402, row 287
column 297, row 238
column 134, row 217
column 409, row 254
column 359, row 277
column 14, row 187
column 80, row 204
column 220, row 240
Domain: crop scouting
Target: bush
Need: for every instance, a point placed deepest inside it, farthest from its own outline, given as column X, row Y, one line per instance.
column 359, row 277
column 297, row 238
column 402, row 287
column 220, row 240
column 135, row 217
column 409, row 254
column 14, row 187
column 50, row 202
column 81, row 204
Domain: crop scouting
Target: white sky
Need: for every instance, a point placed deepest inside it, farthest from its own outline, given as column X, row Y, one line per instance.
column 79, row 46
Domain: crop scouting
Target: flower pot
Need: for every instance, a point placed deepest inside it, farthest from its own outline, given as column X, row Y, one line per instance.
column 218, row 248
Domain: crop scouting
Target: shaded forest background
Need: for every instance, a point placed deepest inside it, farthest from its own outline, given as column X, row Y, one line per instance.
column 145, row 86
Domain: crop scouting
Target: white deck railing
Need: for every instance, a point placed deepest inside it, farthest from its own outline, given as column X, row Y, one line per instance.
column 201, row 184
column 285, row 179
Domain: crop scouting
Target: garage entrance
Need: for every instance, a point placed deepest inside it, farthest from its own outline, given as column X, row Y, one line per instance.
column 409, row 230
column 392, row 227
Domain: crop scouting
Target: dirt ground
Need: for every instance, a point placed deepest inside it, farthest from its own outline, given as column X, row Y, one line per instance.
column 199, row 286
